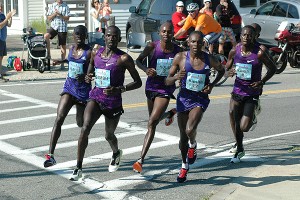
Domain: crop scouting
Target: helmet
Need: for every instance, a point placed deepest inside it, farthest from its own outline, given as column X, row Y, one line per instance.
column 192, row 7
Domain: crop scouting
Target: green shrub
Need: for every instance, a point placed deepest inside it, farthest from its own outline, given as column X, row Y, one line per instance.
column 39, row 25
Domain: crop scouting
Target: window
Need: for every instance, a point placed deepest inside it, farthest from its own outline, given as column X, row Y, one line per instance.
column 280, row 10
column 293, row 12
column 263, row 1
column 10, row 5
column 247, row 3
column 144, row 7
column 266, row 9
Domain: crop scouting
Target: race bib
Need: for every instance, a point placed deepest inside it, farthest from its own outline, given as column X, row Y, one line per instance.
column 243, row 71
column 195, row 82
column 163, row 66
column 102, row 78
column 75, row 69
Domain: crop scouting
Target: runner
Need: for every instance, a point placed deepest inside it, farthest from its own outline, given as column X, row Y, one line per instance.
column 75, row 90
column 201, row 22
column 248, row 59
column 193, row 69
column 161, row 55
column 109, row 64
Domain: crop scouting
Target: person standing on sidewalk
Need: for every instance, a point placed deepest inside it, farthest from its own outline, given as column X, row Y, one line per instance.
column 192, row 69
column 75, row 90
column 161, row 54
column 59, row 15
column 178, row 19
column 109, row 64
column 5, row 21
column 248, row 59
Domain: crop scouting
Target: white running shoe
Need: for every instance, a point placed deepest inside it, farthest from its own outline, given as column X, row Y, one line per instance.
column 115, row 161
column 76, row 175
column 237, row 157
column 233, row 148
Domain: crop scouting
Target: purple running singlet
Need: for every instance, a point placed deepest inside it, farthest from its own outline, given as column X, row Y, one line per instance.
column 248, row 70
column 161, row 62
column 107, row 73
column 80, row 90
column 190, row 95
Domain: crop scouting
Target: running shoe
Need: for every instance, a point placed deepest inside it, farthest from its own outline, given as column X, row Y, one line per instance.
column 192, row 154
column 138, row 166
column 237, row 157
column 115, row 161
column 50, row 161
column 233, row 148
column 169, row 120
column 76, row 175
column 182, row 175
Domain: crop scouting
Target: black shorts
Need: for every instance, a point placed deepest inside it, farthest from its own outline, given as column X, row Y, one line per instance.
column 3, row 50
column 248, row 102
column 62, row 36
column 74, row 99
column 108, row 112
column 152, row 95
column 245, row 99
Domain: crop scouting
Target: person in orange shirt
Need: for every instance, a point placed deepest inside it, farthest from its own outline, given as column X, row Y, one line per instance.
column 210, row 28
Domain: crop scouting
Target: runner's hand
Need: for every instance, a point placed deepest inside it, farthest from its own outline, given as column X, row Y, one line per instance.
column 88, row 77
column 80, row 78
column 207, row 89
column 110, row 91
column 151, row 72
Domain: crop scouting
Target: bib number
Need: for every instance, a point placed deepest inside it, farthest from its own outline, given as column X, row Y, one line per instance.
column 163, row 66
column 195, row 82
column 102, row 79
column 75, row 69
column 243, row 71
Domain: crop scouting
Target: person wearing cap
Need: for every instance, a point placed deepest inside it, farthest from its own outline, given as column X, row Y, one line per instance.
column 201, row 22
column 224, row 14
column 206, row 8
column 5, row 21
column 75, row 90
column 59, row 15
column 178, row 19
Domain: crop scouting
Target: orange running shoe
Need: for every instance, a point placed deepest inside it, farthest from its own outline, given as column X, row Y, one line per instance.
column 137, row 167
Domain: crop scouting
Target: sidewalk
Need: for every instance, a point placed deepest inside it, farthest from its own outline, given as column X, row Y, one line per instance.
column 276, row 179
column 15, row 45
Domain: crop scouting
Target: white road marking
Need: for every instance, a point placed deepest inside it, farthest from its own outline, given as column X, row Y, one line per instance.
column 109, row 189
column 22, row 108
column 11, row 101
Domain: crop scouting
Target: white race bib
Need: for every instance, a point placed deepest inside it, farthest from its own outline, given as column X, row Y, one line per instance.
column 102, row 78
column 195, row 82
column 163, row 66
column 243, row 71
column 75, row 69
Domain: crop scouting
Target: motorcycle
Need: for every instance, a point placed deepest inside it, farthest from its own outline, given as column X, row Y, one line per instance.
column 288, row 49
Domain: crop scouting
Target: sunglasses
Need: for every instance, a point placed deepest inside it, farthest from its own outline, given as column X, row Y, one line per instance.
column 191, row 12
column 96, row 1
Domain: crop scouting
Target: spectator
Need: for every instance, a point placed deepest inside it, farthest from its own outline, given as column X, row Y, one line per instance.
column 206, row 8
column 224, row 15
column 4, row 23
column 59, row 14
column 97, row 14
column 178, row 19
column 106, row 15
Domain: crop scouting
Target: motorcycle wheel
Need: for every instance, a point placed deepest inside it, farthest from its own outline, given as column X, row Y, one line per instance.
column 280, row 66
column 24, row 64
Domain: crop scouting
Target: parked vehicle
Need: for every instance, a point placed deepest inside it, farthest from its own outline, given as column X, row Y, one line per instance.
column 288, row 49
column 150, row 14
column 270, row 15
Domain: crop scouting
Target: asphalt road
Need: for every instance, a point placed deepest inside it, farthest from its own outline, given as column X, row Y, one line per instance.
column 28, row 111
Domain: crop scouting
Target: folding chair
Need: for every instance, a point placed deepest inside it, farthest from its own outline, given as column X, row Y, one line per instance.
column 155, row 36
column 95, row 38
column 136, row 42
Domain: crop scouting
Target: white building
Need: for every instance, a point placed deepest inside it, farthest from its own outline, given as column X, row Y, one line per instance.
column 29, row 10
